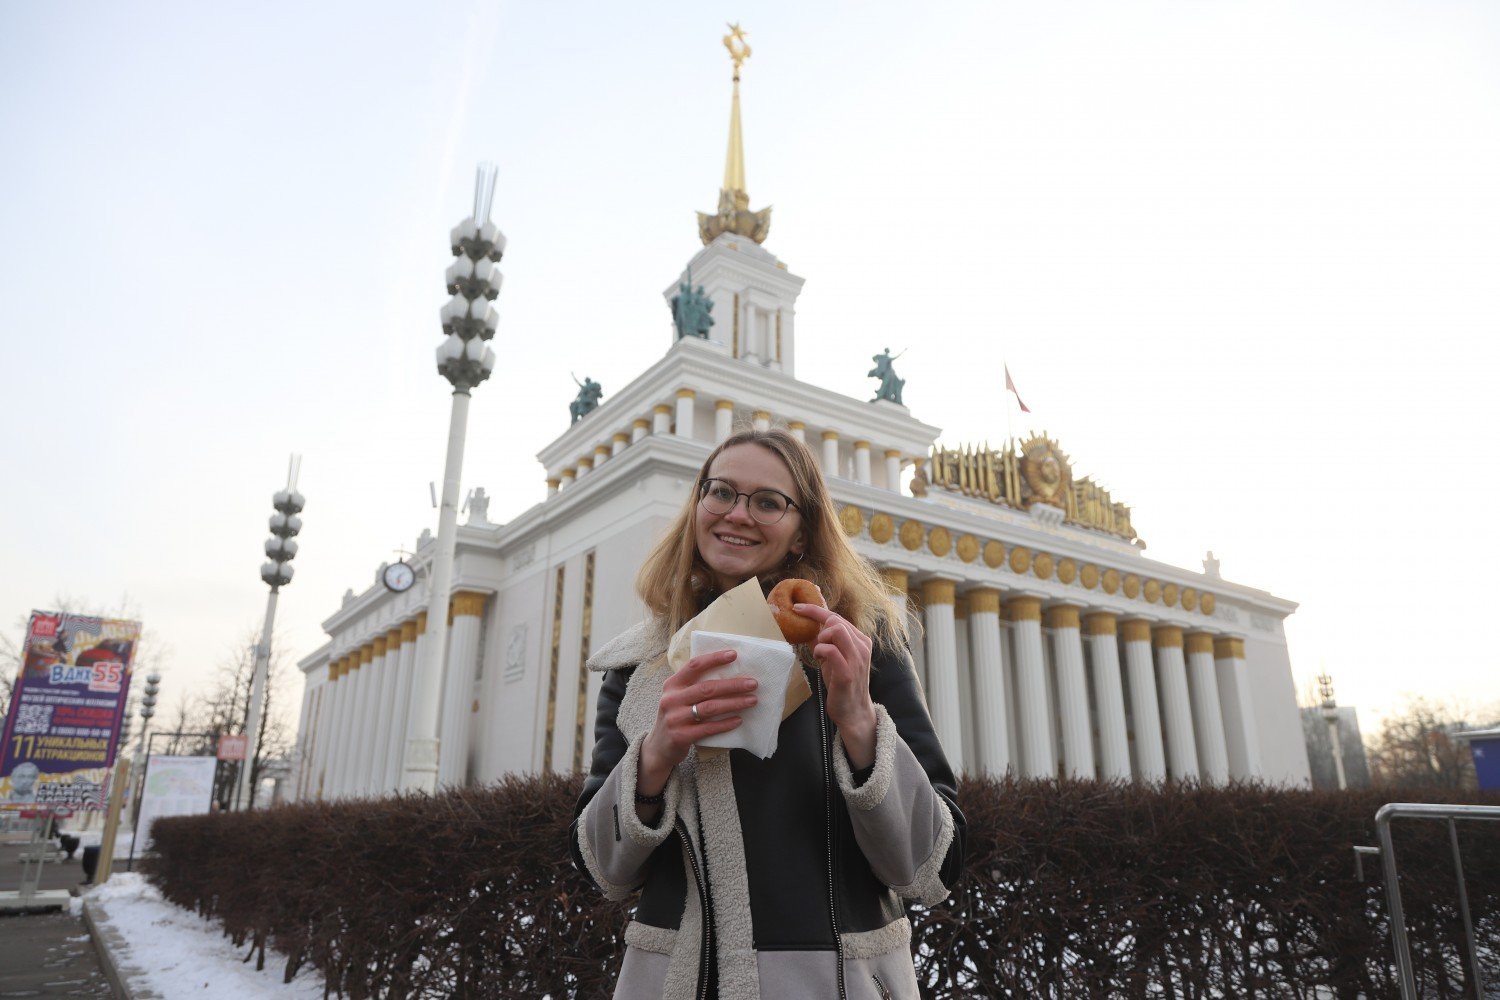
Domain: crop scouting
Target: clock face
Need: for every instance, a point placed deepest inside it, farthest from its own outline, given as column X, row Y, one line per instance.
column 399, row 577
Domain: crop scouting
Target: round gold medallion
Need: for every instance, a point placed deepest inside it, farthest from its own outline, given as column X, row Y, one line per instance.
column 968, row 548
column 853, row 520
column 1020, row 560
column 1206, row 602
column 940, row 541
column 994, row 554
column 882, row 528
column 1169, row 595
column 912, row 534
column 1042, row 566
column 1190, row 600
column 1111, row 581
column 1153, row 591
column 1067, row 571
column 1089, row 576
column 1132, row 586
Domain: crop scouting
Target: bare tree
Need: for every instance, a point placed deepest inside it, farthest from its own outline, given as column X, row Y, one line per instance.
column 1418, row 746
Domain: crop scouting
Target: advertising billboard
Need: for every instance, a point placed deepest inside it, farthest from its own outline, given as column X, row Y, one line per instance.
column 66, row 709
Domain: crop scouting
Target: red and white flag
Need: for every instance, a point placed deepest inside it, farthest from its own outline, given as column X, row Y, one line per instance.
column 1010, row 386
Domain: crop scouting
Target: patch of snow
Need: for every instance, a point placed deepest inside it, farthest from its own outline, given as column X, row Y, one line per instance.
column 178, row 954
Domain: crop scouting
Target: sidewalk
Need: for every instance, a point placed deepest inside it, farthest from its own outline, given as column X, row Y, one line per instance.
column 47, row 954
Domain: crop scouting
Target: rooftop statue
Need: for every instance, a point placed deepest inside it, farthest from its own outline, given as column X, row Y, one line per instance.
column 890, row 385
column 589, row 394
column 690, row 310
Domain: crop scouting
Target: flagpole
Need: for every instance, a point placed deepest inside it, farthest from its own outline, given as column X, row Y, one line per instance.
column 1010, row 431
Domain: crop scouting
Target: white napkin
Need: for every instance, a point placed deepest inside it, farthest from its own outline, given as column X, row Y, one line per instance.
column 770, row 662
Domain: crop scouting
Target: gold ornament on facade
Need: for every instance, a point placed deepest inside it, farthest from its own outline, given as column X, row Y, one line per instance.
column 1022, row 474
column 1153, row 591
column 1089, row 576
column 852, row 519
column 1169, row 595
column 1042, row 566
column 968, row 548
column 1206, row 604
column 1111, row 580
column 940, row 541
column 882, row 528
column 1067, row 571
column 1132, row 586
column 994, row 554
column 734, row 214
column 912, row 534
column 1020, row 560
column 1190, row 600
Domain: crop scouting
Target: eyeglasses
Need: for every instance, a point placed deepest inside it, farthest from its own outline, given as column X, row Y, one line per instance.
column 765, row 506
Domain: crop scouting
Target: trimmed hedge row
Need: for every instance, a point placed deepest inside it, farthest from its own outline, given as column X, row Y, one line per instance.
column 1072, row 889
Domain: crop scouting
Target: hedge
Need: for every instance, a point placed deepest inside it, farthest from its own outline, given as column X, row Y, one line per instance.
column 1071, row 889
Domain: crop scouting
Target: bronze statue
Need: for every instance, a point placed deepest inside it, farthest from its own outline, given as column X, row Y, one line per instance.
column 690, row 310
column 589, row 394
column 890, row 385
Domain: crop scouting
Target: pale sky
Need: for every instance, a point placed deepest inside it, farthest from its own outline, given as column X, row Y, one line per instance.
column 1240, row 258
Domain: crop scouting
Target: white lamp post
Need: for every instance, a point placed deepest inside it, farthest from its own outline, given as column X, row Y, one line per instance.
column 281, row 549
column 465, row 359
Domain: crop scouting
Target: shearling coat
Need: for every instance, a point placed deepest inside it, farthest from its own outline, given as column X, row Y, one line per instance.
column 792, row 873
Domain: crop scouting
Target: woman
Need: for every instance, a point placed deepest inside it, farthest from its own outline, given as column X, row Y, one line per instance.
column 781, row 878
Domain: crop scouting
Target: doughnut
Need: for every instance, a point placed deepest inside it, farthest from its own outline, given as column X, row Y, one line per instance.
column 795, row 628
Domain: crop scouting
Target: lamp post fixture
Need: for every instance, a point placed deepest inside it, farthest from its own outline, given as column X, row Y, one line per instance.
column 281, row 549
column 1331, row 716
column 465, row 359
column 148, row 709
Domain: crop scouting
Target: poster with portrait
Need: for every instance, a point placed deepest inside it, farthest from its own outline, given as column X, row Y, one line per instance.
column 66, row 709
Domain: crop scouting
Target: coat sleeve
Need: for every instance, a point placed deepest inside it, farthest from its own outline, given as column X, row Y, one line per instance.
column 610, row 843
column 905, row 814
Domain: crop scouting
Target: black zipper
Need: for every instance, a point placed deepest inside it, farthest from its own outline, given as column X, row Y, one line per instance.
column 833, row 913
column 706, row 941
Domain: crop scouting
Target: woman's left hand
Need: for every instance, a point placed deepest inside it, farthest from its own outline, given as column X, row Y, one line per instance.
column 843, row 653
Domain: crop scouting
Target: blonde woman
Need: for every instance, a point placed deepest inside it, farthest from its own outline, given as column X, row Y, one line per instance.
column 782, row 878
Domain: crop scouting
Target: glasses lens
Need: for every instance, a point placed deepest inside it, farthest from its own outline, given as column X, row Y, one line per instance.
column 718, row 498
column 767, row 506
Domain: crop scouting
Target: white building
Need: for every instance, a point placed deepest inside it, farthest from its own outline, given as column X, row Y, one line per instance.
column 1051, row 644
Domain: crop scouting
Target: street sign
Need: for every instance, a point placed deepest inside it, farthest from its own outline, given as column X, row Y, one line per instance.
column 232, row 747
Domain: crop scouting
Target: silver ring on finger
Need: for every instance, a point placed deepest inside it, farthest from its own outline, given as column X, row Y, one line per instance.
column 696, row 717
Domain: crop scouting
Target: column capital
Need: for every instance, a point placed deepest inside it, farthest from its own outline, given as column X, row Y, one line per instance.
column 622, row 437
column 586, row 462
column 1167, row 636
column 796, row 425
column 601, row 450
column 936, row 590
column 1200, row 642
column 862, row 444
column 687, row 394
column 1062, row 616
column 409, row 631
column 366, row 653
column 896, row 578
column 724, row 404
column 1024, row 608
column 761, row 415
column 642, row 423
column 892, row 453
column 378, row 647
column 662, row 408
column 1100, row 623
column 568, row 475
column 830, row 435
column 553, row 482
column 1229, row 648
column 421, row 623
column 960, row 606
column 467, row 602
column 983, row 599
column 1135, row 630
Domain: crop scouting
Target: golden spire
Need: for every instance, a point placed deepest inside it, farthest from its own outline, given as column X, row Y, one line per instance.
column 734, row 215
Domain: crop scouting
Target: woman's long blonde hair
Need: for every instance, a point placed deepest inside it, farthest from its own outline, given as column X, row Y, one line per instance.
column 676, row 583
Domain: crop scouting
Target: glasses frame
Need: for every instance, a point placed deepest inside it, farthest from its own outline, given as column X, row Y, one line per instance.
column 703, row 487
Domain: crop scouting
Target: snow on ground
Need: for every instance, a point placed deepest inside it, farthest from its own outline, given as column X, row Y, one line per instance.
column 178, row 954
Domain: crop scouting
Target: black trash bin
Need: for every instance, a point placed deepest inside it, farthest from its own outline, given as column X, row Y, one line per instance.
column 69, row 844
column 90, row 863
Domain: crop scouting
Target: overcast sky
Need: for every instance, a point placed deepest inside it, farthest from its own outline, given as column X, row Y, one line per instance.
column 1240, row 257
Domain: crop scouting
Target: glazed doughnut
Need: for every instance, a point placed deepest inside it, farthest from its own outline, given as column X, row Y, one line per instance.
column 795, row 628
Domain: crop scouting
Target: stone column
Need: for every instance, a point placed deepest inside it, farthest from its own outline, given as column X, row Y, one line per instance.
column 584, row 465
column 328, row 724
column 723, row 420
column 566, row 478
column 458, row 687
column 384, row 713
column 893, row 470
column 406, row 647
column 831, row 453
column 372, row 659
column 992, row 717
column 685, row 401
column 619, row 442
column 554, row 483
column 862, row 461
column 1208, row 721
column 942, row 668
column 760, row 420
column 602, row 453
column 897, row 580
column 798, row 430
column 639, row 429
column 1176, row 706
column 965, row 680
column 409, row 683
column 336, row 753
column 1035, row 739
column 1150, row 755
column 1241, row 736
column 1072, row 691
column 661, row 419
column 1109, row 697
column 354, row 720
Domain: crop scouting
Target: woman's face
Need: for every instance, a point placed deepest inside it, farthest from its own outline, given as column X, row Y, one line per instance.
column 735, row 545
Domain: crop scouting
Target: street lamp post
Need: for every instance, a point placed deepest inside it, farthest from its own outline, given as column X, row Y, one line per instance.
column 465, row 359
column 1331, row 716
column 148, row 709
column 281, row 549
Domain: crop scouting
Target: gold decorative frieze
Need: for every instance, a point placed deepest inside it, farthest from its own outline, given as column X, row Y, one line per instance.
column 1089, row 576
column 1020, row 560
column 1025, row 473
column 1169, row 595
column 940, row 541
column 882, row 528
column 1042, row 566
column 1153, row 591
column 1190, row 600
column 1067, row 571
column 1206, row 604
column 994, row 554
column 1132, row 586
column 912, row 533
column 852, row 519
column 968, row 548
column 1111, row 581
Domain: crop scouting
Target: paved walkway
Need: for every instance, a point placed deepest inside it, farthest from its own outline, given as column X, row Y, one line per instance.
column 46, row 954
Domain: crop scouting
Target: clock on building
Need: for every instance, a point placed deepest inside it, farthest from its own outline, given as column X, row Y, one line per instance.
column 398, row 577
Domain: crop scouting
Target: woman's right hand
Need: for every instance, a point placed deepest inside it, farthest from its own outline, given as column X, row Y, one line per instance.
column 719, row 702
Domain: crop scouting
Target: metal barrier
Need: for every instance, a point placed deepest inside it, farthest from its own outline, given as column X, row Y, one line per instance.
column 1422, row 810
